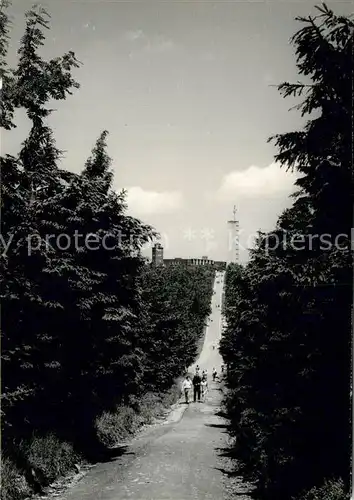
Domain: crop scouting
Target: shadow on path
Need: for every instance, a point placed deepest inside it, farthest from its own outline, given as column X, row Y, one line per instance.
column 228, row 452
column 228, row 473
column 217, row 426
column 110, row 454
column 221, row 413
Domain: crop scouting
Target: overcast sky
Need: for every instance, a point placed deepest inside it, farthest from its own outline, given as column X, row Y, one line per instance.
column 184, row 89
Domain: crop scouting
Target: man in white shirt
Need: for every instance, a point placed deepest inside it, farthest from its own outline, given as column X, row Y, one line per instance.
column 186, row 388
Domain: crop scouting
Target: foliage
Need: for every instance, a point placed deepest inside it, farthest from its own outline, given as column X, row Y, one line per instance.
column 117, row 426
column 176, row 302
column 331, row 490
column 87, row 325
column 48, row 457
column 13, row 484
column 287, row 341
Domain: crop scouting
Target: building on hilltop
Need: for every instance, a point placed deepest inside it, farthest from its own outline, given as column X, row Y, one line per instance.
column 157, row 255
column 204, row 261
column 175, row 261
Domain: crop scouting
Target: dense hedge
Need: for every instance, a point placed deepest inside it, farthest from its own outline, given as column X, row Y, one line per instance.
column 176, row 302
column 87, row 324
column 288, row 311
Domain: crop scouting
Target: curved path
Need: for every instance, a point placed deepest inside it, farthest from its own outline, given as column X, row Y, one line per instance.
column 179, row 460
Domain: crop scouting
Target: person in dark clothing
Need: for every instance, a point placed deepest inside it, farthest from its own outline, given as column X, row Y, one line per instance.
column 197, row 380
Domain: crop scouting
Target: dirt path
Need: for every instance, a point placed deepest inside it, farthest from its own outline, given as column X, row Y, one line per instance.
column 180, row 459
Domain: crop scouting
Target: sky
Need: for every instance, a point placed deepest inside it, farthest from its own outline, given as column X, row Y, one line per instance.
column 187, row 91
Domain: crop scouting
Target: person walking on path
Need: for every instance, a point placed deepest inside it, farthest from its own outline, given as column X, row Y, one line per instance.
column 197, row 379
column 204, row 388
column 214, row 374
column 186, row 388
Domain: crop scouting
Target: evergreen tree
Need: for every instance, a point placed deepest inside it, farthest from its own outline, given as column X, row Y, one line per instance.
column 288, row 312
column 27, row 181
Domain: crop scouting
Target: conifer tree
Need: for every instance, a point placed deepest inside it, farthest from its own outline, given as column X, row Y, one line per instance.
column 27, row 181
column 288, row 312
column 86, row 323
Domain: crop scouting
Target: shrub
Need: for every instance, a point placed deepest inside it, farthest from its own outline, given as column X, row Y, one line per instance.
column 331, row 490
column 150, row 407
column 172, row 396
column 113, row 428
column 48, row 457
column 13, row 484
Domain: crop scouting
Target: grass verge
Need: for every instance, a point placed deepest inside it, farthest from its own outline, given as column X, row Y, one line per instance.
column 116, row 427
column 43, row 459
column 46, row 458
